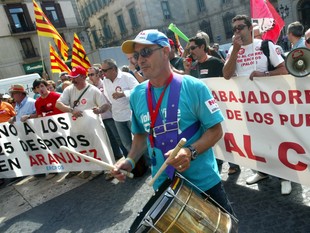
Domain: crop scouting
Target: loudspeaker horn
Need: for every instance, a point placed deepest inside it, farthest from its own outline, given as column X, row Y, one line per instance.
column 297, row 62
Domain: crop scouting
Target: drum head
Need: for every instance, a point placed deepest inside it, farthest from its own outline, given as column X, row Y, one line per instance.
column 155, row 207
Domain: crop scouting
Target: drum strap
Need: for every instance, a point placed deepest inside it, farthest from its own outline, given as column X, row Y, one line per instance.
column 166, row 135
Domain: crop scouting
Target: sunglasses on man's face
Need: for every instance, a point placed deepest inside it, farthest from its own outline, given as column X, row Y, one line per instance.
column 239, row 27
column 91, row 74
column 145, row 52
column 106, row 70
column 193, row 47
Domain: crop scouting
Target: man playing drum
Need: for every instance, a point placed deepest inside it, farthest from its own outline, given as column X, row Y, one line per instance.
column 165, row 109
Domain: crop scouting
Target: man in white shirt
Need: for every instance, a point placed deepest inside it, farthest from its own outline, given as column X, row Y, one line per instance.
column 79, row 97
column 240, row 62
column 117, row 88
column 240, row 57
column 94, row 76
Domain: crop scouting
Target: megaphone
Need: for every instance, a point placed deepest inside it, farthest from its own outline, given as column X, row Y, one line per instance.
column 177, row 31
column 297, row 62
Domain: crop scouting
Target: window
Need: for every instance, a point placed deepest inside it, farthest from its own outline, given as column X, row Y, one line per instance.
column 121, row 23
column 166, row 9
column 133, row 18
column 100, row 3
column 93, row 8
column 227, row 24
column 28, row 50
column 19, row 18
column 53, row 13
column 201, row 5
column 83, row 14
column 87, row 9
column 106, row 29
column 205, row 26
column 96, row 39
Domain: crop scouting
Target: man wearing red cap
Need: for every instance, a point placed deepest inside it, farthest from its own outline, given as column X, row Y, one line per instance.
column 79, row 97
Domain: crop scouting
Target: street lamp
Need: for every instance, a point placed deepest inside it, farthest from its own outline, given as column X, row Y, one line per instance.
column 284, row 11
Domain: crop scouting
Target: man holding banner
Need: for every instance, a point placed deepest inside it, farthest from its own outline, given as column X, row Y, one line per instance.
column 240, row 59
column 79, row 97
column 241, row 62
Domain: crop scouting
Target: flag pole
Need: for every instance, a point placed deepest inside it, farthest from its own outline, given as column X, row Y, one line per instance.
column 41, row 54
column 253, row 46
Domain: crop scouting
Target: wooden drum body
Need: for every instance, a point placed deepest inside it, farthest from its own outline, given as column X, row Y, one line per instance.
column 178, row 209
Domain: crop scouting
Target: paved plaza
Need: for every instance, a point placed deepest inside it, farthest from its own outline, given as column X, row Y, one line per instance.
column 96, row 205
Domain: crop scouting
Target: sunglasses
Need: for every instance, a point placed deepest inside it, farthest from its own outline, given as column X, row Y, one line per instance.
column 145, row 52
column 106, row 70
column 308, row 41
column 239, row 27
column 193, row 47
column 91, row 74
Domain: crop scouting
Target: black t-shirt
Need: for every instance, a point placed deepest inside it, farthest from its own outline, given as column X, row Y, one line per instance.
column 213, row 67
column 177, row 62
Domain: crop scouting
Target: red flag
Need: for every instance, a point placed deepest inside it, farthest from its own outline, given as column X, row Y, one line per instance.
column 269, row 21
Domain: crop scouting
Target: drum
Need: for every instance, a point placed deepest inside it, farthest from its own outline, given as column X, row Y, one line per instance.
column 176, row 208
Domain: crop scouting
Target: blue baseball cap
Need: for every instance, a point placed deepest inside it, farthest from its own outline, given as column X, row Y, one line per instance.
column 146, row 37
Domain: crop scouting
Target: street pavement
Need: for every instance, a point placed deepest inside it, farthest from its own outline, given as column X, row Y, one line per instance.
column 96, row 205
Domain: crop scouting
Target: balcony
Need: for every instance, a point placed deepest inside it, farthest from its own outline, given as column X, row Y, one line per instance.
column 15, row 29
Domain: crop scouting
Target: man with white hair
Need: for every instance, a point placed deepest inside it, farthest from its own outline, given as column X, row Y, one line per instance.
column 295, row 35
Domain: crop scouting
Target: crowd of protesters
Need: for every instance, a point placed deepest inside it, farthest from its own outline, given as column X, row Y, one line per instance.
column 107, row 89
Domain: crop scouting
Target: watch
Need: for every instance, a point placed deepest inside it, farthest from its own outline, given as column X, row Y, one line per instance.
column 194, row 152
column 267, row 73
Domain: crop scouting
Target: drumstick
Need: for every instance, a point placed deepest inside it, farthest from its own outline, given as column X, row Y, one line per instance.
column 99, row 162
column 164, row 165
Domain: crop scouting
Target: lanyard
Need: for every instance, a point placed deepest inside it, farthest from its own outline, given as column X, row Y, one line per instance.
column 154, row 113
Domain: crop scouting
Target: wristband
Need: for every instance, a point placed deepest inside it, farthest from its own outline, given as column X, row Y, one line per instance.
column 132, row 162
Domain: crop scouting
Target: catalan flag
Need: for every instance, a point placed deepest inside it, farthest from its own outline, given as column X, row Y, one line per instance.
column 79, row 57
column 46, row 28
column 57, row 64
column 178, row 45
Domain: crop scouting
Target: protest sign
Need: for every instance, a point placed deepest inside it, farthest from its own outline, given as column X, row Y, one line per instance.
column 266, row 124
column 32, row 147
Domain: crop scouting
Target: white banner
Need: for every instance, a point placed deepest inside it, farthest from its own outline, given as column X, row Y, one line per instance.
column 267, row 124
column 33, row 147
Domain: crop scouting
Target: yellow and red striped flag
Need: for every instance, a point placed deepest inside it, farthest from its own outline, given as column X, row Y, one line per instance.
column 79, row 57
column 46, row 28
column 57, row 64
column 178, row 45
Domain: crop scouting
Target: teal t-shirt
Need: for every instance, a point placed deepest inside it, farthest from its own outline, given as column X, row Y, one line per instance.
column 196, row 103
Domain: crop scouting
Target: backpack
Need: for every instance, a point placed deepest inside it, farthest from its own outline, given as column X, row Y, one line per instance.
column 265, row 48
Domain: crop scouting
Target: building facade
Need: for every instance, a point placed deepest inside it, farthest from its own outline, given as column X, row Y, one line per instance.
column 107, row 23
column 22, row 50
